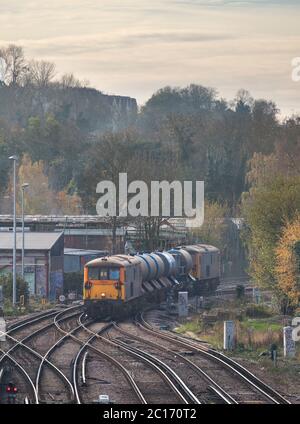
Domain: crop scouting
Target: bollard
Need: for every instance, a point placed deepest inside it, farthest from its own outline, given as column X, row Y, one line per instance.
column 289, row 345
column 229, row 336
column 183, row 307
column 273, row 353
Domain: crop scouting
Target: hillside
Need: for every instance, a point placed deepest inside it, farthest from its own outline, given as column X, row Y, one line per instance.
column 89, row 109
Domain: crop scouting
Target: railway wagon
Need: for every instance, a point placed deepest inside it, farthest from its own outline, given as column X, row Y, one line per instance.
column 120, row 284
column 206, row 267
column 117, row 285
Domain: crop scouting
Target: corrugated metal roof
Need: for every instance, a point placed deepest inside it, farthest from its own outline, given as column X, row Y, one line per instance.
column 83, row 252
column 33, row 241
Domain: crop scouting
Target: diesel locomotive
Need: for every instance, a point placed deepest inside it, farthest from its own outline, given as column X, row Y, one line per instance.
column 120, row 284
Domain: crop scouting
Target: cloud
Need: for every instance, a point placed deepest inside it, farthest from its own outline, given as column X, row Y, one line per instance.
column 217, row 3
column 134, row 47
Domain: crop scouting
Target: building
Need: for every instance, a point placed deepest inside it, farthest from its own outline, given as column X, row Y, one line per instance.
column 93, row 232
column 43, row 261
column 75, row 259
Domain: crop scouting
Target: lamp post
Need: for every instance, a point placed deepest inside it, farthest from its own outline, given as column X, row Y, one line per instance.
column 14, row 159
column 24, row 186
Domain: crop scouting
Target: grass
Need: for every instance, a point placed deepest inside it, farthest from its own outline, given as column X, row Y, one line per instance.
column 34, row 305
column 191, row 326
column 261, row 325
column 256, row 328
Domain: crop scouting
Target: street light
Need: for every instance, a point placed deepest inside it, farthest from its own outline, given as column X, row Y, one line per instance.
column 14, row 158
column 24, row 186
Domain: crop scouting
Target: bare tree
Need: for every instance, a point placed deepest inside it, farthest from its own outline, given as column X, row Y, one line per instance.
column 15, row 64
column 41, row 73
column 70, row 81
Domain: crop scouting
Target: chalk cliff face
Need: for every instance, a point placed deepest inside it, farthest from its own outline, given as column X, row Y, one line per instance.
column 91, row 110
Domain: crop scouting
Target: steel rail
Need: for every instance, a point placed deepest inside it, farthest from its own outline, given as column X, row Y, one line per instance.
column 44, row 358
column 27, row 377
column 20, row 343
column 162, row 369
column 229, row 363
column 88, row 345
column 145, row 360
column 218, row 389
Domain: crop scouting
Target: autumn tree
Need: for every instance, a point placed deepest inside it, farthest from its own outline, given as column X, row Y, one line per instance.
column 288, row 261
column 39, row 197
column 266, row 209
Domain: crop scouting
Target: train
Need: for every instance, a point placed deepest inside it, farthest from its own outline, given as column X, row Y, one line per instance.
column 121, row 284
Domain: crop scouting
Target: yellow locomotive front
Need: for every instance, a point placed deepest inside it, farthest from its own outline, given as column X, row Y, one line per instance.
column 110, row 282
column 103, row 282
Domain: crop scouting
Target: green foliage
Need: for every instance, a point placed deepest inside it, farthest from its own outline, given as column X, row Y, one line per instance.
column 7, row 282
column 266, row 208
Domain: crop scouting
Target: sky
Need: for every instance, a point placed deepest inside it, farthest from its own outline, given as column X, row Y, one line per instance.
column 135, row 47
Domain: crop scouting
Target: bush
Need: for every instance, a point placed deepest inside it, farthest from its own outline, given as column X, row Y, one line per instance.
column 6, row 281
column 258, row 311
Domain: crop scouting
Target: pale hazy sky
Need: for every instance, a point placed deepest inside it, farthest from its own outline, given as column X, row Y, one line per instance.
column 134, row 47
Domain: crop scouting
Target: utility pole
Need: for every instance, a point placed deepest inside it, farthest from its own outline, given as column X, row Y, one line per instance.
column 24, row 186
column 14, row 159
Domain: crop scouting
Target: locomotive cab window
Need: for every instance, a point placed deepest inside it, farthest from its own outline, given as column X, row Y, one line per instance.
column 93, row 273
column 114, row 274
column 103, row 274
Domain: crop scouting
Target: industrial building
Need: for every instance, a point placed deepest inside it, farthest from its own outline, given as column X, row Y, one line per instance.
column 75, row 259
column 43, row 261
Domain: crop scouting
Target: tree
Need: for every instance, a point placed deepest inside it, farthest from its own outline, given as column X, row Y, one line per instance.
column 288, row 261
column 15, row 64
column 41, row 73
column 213, row 229
column 6, row 281
column 109, row 156
column 39, row 198
column 70, row 81
column 266, row 209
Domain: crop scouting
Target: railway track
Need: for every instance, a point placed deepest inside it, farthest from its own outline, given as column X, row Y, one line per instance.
column 81, row 362
column 49, row 370
column 25, row 358
column 206, row 388
column 223, row 362
column 132, row 362
column 183, row 392
column 153, row 382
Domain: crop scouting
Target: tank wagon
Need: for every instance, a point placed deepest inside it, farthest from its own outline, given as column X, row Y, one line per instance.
column 120, row 284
